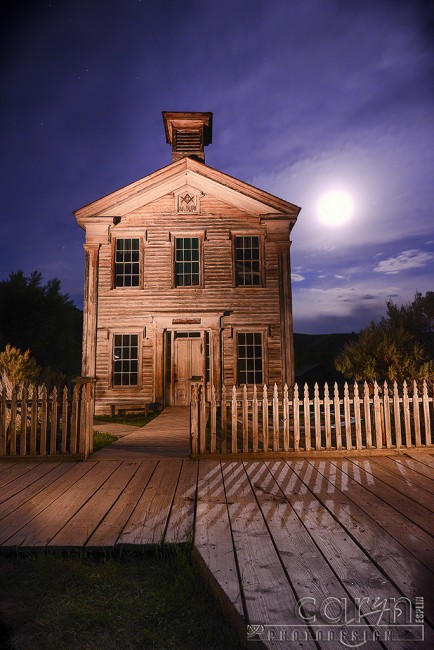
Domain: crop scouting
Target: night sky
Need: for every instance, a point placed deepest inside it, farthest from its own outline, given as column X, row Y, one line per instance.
column 308, row 96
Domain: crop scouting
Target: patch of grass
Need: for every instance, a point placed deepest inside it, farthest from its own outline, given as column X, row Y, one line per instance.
column 102, row 439
column 151, row 601
column 138, row 419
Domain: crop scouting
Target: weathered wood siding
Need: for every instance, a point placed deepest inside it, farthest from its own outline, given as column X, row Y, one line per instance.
column 125, row 310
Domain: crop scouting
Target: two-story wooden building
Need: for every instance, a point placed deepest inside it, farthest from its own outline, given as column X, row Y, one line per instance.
column 187, row 280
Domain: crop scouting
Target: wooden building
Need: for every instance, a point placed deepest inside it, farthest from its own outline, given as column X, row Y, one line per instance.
column 187, row 280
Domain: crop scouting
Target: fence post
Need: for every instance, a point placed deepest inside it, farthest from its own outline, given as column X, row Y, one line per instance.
column 202, row 420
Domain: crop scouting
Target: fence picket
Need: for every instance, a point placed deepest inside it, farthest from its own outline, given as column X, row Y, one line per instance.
column 317, row 416
column 275, row 418
column 234, row 432
column 347, row 417
column 194, row 413
column 245, row 412
column 357, row 418
column 75, row 418
column 306, row 414
column 397, row 415
column 386, row 416
column 213, row 441
column 13, row 423
column 64, row 420
column 202, row 419
column 255, row 424
column 337, row 410
column 377, row 417
column 265, row 417
column 53, row 422
column 23, row 432
column 407, row 418
column 426, row 418
column 33, row 420
column 367, row 415
column 296, row 407
column 416, row 416
column 285, row 407
column 327, row 422
column 224, row 420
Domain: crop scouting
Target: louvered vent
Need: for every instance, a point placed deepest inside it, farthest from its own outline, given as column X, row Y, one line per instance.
column 188, row 142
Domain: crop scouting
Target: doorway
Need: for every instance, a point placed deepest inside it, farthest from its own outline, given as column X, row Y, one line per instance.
column 189, row 365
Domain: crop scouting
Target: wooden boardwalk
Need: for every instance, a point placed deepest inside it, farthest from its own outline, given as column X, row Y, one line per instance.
column 266, row 533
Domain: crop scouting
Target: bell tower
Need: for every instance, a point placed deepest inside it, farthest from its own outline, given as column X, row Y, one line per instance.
column 188, row 133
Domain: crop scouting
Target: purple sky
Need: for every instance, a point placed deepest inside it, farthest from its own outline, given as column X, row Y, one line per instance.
column 307, row 96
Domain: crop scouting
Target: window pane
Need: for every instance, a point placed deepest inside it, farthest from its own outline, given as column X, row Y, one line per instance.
column 249, row 358
column 247, row 257
column 125, row 359
column 187, row 262
column 127, row 263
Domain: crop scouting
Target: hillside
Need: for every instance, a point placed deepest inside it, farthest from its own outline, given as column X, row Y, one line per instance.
column 315, row 355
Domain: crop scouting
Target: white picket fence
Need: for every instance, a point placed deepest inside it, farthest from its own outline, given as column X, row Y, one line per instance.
column 264, row 421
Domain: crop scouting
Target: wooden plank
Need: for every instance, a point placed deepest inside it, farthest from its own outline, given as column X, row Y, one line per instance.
column 422, row 457
column 13, row 472
column 44, row 526
column 22, row 482
column 403, row 570
column 415, row 540
column 401, row 503
column 310, row 575
column 268, row 596
column 148, row 522
column 181, row 519
column 24, row 514
column 407, row 473
column 48, row 474
column 354, row 568
column 81, row 526
column 106, row 535
column 416, row 465
column 213, row 546
column 403, row 485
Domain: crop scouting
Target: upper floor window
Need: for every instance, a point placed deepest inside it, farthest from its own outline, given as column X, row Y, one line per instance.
column 249, row 358
column 247, row 261
column 187, row 261
column 127, row 263
column 125, row 359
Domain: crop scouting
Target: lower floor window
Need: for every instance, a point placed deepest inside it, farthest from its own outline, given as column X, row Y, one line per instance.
column 125, row 359
column 249, row 358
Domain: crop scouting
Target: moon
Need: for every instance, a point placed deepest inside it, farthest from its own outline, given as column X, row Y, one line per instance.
column 335, row 208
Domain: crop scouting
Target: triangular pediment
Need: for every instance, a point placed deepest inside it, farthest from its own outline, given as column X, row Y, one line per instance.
column 179, row 177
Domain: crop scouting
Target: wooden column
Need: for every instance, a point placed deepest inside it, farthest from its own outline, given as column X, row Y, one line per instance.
column 90, row 310
column 158, row 364
column 285, row 293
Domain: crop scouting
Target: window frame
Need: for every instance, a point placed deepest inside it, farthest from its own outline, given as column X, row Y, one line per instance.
column 130, row 236
column 264, row 337
column 126, row 332
column 261, row 246
column 174, row 236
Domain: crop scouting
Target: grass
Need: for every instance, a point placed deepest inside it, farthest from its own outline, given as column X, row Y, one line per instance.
column 102, row 439
column 138, row 419
column 151, row 601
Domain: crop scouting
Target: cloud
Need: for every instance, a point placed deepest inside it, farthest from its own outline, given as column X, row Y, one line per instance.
column 296, row 277
column 411, row 259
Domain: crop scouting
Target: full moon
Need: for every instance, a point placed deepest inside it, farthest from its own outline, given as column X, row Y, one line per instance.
column 335, row 208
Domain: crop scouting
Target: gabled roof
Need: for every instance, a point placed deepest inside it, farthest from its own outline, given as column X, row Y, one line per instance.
column 176, row 176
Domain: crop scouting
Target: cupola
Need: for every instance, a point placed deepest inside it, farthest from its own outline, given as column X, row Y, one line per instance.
column 188, row 133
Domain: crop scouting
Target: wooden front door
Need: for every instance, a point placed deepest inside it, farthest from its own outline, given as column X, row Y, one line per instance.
column 189, row 365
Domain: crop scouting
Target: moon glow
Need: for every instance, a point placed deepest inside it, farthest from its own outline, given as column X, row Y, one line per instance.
column 335, row 208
